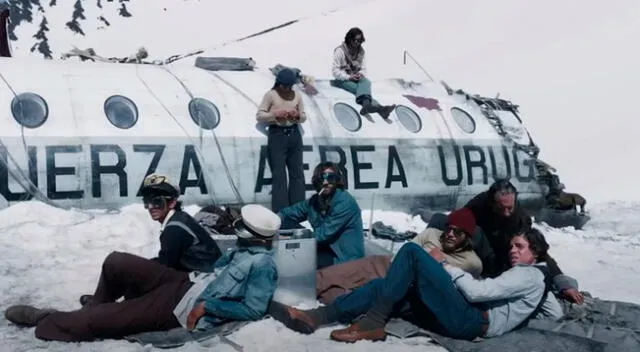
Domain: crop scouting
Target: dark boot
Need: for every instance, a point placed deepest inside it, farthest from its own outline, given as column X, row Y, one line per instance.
column 84, row 299
column 386, row 110
column 26, row 315
column 383, row 110
column 302, row 321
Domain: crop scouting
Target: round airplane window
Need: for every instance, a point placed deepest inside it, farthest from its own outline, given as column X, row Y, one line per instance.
column 409, row 118
column 121, row 111
column 347, row 116
column 29, row 109
column 464, row 120
column 204, row 113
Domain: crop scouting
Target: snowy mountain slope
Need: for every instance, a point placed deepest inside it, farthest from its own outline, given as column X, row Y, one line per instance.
column 164, row 27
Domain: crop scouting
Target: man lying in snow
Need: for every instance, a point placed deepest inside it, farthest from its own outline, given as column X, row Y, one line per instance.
column 334, row 215
column 239, row 288
column 444, row 298
column 454, row 242
column 184, row 244
column 499, row 215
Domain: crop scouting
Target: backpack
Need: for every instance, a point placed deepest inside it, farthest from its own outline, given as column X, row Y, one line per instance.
column 218, row 220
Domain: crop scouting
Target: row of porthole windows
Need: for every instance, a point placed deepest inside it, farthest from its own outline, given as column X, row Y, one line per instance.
column 31, row 110
column 350, row 119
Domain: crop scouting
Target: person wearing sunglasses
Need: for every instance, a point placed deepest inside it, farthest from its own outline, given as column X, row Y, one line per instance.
column 498, row 215
column 349, row 72
column 237, row 287
column 454, row 242
column 184, row 244
column 442, row 297
column 334, row 215
column 283, row 110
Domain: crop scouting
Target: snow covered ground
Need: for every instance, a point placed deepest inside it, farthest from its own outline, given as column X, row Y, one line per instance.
column 51, row 257
column 571, row 66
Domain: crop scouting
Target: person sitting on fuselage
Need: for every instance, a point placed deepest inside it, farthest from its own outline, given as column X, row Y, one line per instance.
column 498, row 215
column 184, row 244
column 454, row 242
column 348, row 69
column 443, row 298
column 238, row 287
column 334, row 215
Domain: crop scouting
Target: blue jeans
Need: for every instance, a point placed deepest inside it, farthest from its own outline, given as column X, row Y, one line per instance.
column 414, row 271
column 361, row 89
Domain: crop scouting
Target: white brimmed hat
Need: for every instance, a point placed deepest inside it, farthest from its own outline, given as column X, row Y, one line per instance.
column 257, row 221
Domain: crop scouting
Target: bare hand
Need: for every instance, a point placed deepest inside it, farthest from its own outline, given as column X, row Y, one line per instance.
column 437, row 254
column 356, row 77
column 294, row 115
column 573, row 295
column 196, row 313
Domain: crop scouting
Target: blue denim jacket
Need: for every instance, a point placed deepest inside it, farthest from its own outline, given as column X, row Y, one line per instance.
column 341, row 228
column 243, row 288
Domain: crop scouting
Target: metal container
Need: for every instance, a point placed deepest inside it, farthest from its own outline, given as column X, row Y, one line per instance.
column 296, row 258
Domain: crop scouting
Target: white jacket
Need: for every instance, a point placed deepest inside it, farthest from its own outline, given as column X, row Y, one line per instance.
column 340, row 65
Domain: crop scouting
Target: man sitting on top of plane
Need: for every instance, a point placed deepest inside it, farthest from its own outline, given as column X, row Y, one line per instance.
column 334, row 215
column 348, row 69
column 184, row 244
column 237, row 287
column 499, row 215
column 454, row 242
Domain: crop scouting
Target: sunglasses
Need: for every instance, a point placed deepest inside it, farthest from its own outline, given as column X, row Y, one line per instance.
column 156, row 202
column 457, row 232
column 330, row 177
column 154, row 180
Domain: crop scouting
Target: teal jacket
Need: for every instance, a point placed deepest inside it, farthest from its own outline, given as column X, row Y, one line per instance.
column 340, row 228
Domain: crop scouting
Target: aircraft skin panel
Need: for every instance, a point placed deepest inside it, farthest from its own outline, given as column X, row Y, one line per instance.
column 79, row 158
column 109, row 171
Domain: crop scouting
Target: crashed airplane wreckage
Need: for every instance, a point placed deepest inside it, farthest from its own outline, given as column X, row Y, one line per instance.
column 76, row 141
column 197, row 125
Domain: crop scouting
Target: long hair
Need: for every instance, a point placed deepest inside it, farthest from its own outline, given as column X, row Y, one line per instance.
column 316, row 179
column 352, row 33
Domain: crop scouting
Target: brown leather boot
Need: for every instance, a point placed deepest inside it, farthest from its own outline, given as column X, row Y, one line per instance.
column 353, row 333
column 293, row 318
column 26, row 315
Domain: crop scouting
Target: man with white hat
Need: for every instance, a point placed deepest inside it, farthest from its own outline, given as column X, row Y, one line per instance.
column 239, row 288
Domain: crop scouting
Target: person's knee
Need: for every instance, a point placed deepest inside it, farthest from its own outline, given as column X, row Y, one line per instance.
column 114, row 259
column 364, row 81
column 411, row 249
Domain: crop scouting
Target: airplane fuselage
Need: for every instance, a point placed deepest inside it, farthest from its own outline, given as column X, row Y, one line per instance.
column 428, row 156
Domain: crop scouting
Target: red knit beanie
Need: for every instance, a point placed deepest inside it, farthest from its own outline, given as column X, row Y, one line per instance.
column 463, row 218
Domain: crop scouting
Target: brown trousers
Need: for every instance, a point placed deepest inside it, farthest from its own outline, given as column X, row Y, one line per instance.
column 153, row 290
column 336, row 280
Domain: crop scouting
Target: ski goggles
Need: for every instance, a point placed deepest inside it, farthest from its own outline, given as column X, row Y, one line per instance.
column 155, row 202
column 330, row 177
